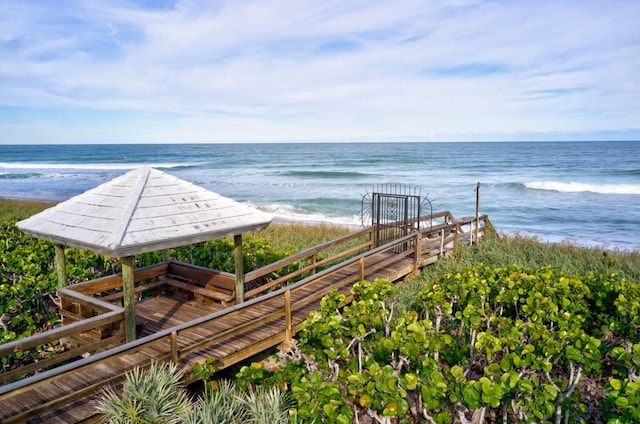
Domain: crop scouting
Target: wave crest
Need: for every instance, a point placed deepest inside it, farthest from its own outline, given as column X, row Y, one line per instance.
column 9, row 176
column 288, row 213
column 575, row 187
column 88, row 166
column 326, row 174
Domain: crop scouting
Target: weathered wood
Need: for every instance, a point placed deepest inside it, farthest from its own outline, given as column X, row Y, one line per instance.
column 114, row 281
column 144, row 210
column 477, row 209
column 287, row 313
column 308, row 253
column 239, row 268
column 311, row 269
column 189, row 272
column 174, row 347
column 456, row 235
column 222, row 282
column 225, row 298
column 235, row 331
column 59, row 332
column 128, row 298
column 61, row 357
column 72, row 298
column 61, row 265
column 417, row 254
column 139, row 289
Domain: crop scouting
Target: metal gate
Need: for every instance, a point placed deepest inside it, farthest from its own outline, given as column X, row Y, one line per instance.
column 393, row 211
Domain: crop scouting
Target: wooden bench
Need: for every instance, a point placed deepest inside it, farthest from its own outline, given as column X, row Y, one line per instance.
column 224, row 285
column 155, row 286
column 207, row 294
column 206, row 284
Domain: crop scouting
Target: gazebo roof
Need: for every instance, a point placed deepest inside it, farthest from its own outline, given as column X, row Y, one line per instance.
column 141, row 211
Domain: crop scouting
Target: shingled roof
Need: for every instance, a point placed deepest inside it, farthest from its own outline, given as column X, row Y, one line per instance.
column 141, row 211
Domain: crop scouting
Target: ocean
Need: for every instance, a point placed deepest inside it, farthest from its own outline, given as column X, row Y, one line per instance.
column 583, row 192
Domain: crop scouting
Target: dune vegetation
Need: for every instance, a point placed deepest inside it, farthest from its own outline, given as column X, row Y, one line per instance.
column 512, row 329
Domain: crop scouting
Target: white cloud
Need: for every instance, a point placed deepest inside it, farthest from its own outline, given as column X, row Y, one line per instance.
column 296, row 70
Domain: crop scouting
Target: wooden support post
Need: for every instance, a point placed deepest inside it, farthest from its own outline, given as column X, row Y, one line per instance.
column 174, row 347
column 455, row 236
column 361, row 262
column 128, row 298
column 287, row 312
column 239, row 262
column 61, row 265
column 166, row 256
column 477, row 210
column 418, row 252
column 313, row 263
column 441, row 242
column 471, row 233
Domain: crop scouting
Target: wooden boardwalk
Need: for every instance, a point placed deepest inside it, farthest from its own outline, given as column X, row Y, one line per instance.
column 187, row 332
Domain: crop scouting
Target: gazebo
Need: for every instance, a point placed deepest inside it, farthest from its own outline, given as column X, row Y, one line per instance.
column 144, row 210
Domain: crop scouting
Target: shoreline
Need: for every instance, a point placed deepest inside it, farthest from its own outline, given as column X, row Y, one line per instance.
column 34, row 205
column 277, row 219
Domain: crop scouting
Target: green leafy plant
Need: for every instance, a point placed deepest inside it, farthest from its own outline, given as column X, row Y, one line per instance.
column 205, row 369
column 509, row 344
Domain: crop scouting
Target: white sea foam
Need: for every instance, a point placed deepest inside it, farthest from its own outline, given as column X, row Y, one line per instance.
column 85, row 166
column 575, row 187
column 288, row 213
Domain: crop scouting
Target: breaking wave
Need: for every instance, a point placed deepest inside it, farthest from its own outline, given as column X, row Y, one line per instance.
column 87, row 166
column 575, row 187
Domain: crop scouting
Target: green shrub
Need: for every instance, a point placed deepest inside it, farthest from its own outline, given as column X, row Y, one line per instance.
column 508, row 344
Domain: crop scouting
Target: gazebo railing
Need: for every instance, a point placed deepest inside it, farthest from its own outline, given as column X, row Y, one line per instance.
column 69, row 335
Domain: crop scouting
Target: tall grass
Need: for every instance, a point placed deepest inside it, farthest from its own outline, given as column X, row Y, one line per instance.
column 19, row 209
column 295, row 237
column 501, row 250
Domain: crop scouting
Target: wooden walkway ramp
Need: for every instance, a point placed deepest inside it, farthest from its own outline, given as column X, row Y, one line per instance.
column 68, row 392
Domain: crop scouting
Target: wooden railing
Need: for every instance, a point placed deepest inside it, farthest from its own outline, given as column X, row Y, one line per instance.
column 335, row 250
column 108, row 316
column 101, row 286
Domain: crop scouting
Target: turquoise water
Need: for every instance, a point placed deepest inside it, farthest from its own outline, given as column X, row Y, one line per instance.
column 585, row 192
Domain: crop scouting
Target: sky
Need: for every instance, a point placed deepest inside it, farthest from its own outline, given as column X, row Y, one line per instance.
column 162, row 71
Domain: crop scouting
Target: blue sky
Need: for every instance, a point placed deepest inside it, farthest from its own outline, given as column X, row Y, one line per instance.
column 123, row 71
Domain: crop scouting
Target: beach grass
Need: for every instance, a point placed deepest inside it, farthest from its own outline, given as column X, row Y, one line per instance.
column 19, row 209
column 495, row 250
column 501, row 250
column 296, row 236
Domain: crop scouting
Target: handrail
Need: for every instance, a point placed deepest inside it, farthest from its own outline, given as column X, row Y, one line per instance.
column 115, row 280
column 313, row 267
column 59, row 332
column 96, row 303
column 261, row 272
